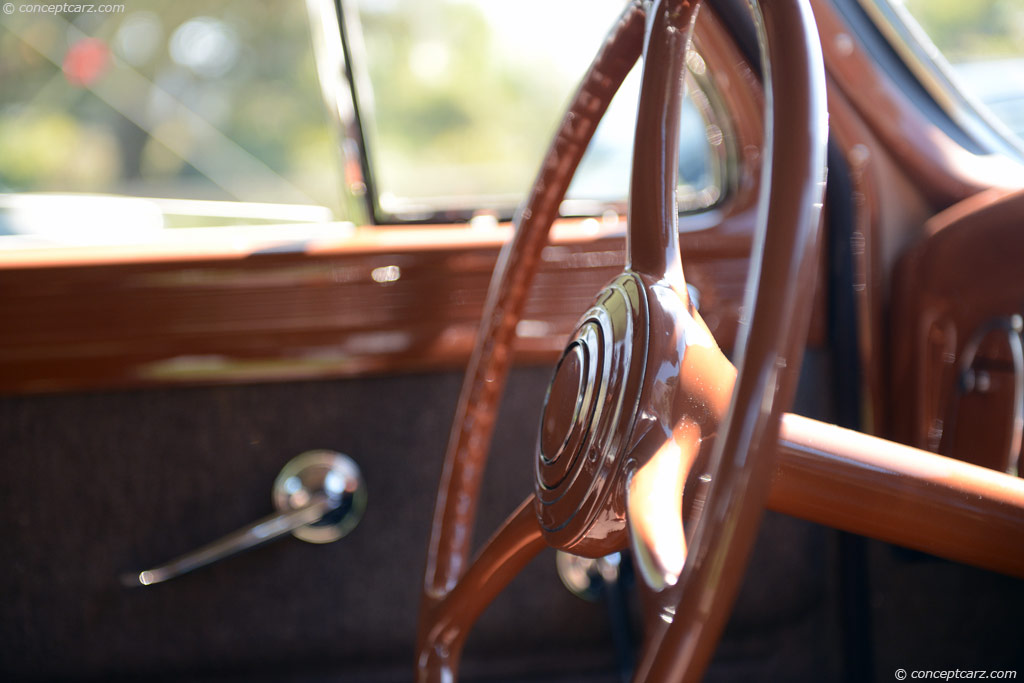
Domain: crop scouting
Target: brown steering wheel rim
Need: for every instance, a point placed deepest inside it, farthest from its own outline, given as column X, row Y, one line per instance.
column 770, row 352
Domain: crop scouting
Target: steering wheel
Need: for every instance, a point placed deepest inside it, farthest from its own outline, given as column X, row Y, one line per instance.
column 641, row 383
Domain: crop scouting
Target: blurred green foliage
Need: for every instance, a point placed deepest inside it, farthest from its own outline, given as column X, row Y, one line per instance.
column 452, row 117
column 190, row 85
column 966, row 30
column 220, row 100
column 466, row 97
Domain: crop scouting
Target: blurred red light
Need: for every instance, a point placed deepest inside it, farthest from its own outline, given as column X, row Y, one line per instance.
column 85, row 61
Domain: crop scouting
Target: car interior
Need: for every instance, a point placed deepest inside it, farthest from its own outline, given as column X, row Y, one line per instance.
column 721, row 379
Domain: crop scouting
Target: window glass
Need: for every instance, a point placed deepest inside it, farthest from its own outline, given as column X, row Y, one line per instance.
column 465, row 97
column 192, row 99
column 983, row 41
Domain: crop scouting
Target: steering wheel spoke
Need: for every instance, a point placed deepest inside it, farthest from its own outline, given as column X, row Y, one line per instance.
column 501, row 559
column 653, row 504
column 652, row 238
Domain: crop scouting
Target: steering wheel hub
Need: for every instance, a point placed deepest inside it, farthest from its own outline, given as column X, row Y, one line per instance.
column 568, row 406
column 595, row 390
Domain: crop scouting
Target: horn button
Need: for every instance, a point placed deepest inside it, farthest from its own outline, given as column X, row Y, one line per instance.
column 568, row 407
column 589, row 413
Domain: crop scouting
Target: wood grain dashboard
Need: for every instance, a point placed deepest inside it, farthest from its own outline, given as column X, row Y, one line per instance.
column 258, row 306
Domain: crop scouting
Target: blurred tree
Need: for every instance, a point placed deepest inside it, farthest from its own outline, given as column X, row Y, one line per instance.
column 196, row 92
column 453, row 118
column 972, row 30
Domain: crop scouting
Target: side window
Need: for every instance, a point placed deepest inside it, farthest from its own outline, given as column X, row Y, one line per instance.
column 191, row 100
column 464, row 97
column 983, row 43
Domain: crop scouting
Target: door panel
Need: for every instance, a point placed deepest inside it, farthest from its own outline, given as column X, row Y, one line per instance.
column 105, row 483
column 112, row 482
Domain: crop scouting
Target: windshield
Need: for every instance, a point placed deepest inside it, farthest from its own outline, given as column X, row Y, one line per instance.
column 461, row 99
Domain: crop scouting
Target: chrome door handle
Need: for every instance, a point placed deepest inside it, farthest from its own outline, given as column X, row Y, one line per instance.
column 320, row 497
